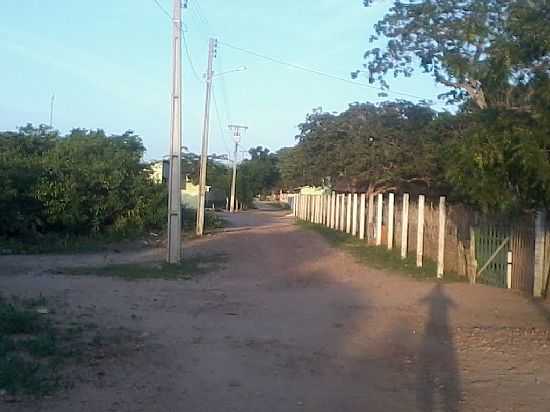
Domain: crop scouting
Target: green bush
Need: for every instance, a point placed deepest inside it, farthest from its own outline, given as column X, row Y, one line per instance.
column 83, row 184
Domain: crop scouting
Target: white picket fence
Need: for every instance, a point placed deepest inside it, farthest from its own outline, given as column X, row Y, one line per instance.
column 414, row 226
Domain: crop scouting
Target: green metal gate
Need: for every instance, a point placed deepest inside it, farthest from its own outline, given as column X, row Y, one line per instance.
column 491, row 246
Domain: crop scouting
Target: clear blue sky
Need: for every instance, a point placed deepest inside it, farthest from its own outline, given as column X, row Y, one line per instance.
column 109, row 61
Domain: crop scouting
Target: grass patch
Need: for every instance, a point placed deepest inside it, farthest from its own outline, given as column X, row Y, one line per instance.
column 187, row 270
column 32, row 349
column 277, row 205
column 379, row 257
column 58, row 243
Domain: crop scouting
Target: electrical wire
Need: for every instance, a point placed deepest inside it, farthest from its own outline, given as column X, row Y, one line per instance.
column 296, row 66
column 162, row 8
column 314, row 71
column 184, row 38
column 219, row 119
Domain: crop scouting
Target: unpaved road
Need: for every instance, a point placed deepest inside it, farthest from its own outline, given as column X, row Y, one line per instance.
column 291, row 324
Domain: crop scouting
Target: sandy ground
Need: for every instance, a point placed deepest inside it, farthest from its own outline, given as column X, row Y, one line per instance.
column 291, row 324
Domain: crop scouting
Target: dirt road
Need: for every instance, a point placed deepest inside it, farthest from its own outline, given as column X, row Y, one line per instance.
column 291, row 324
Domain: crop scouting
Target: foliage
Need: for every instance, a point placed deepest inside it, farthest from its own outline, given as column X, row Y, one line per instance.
column 292, row 167
column 491, row 53
column 187, row 270
column 80, row 184
column 501, row 162
column 21, row 168
column 31, row 349
column 376, row 145
column 379, row 257
column 211, row 220
column 257, row 175
column 494, row 160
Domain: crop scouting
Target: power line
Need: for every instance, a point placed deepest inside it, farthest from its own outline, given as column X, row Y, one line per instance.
column 314, row 71
column 219, row 119
column 293, row 65
column 188, row 53
column 184, row 37
column 161, row 7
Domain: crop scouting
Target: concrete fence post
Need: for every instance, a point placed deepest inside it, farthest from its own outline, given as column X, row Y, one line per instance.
column 354, row 216
column 317, row 209
column 336, row 212
column 343, row 213
column 362, row 205
column 405, row 226
column 509, row 270
column 540, row 232
column 370, row 218
column 327, row 210
column 441, row 238
column 348, row 214
column 420, row 232
column 391, row 219
column 379, row 219
column 330, row 210
column 321, row 209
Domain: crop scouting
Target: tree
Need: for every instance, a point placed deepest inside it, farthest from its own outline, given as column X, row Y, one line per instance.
column 291, row 165
column 501, row 162
column 258, row 175
column 79, row 184
column 491, row 53
column 21, row 167
column 380, row 146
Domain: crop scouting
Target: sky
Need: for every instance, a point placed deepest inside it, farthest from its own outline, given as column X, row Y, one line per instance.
column 108, row 63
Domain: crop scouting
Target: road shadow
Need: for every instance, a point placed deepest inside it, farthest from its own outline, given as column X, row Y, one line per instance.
column 438, row 384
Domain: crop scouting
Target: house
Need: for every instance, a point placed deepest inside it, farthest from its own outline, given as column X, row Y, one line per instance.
column 189, row 190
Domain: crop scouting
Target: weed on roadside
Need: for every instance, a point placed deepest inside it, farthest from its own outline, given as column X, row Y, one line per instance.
column 380, row 257
column 35, row 349
column 30, row 348
column 187, row 270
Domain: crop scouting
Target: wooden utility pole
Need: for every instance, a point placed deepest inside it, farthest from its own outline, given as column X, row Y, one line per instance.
column 174, row 179
column 237, row 138
column 204, row 153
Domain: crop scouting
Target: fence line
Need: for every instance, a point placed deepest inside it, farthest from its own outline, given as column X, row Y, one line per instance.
column 512, row 254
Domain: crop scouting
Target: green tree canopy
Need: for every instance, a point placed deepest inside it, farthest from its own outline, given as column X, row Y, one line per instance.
column 491, row 53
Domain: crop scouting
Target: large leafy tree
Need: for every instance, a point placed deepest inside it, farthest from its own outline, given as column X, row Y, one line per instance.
column 21, row 168
column 82, row 183
column 499, row 161
column 491, row 53
column 379, row 146
column 257, row 175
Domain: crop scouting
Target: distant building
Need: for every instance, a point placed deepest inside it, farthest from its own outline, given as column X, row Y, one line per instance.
column 189, row 190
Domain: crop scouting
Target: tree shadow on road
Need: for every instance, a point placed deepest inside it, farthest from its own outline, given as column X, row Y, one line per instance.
column 438, row 384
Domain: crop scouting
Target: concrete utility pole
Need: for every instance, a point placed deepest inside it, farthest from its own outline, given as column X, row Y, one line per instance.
column 237, row 138
column 174, row 178
column 204, row 154
column 52, row 102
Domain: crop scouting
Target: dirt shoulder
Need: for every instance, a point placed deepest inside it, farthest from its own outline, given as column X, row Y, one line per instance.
column 291, row 324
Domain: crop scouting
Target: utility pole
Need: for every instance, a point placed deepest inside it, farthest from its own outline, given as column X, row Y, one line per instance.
column 237, row 138
column 52, row 101
column 174, row 179
column 213, row 44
